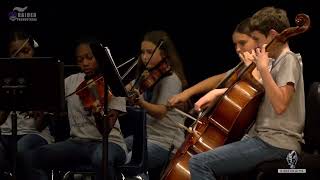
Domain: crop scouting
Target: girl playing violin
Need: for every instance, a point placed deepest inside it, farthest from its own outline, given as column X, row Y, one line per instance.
column 31, row 127
column 84, row 147
column 164, row 135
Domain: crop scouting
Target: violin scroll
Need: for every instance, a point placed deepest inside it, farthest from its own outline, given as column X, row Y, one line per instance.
column 303, row 24
column 303, row 21
column 274, row 47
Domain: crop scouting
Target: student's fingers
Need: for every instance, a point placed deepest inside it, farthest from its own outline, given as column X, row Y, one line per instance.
column 263, row 48
column 197, row 107
column 258, row 51
column 200, row 104
column 241, row 56
column 177, row 100
column 173, row 100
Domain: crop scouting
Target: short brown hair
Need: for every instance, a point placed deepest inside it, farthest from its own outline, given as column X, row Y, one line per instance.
column 269, row 18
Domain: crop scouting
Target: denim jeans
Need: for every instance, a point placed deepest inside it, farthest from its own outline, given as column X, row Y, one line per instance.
column 25, row 144
column 233, row 158
column 3, row 160
column 74, row 154
column 157, row 157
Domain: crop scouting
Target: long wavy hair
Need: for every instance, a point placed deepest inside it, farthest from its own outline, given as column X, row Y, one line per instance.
column 170, row 52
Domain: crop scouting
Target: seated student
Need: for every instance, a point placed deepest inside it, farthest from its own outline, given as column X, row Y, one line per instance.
column 84, row 147
column 31, row 127
column 243, row 43
column 163, row 131
column 278, row 130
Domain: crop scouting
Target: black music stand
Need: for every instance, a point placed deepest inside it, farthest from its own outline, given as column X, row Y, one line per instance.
column 30, row 84
column 112, row 79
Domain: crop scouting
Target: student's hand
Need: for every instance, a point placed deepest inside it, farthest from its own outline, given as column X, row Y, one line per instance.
column 261, row 58
column 128, row 87
column 207, row 99
column 247, row 57
column 136, row 98
column 38, row 116
column 112, row 116
column 178, row 100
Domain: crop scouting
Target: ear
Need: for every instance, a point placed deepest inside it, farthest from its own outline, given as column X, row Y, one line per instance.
column 273, row 33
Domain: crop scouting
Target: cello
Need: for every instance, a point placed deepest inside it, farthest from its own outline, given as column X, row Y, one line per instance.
column 227, row 119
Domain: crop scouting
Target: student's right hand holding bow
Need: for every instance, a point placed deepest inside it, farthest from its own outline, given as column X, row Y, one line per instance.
column 207, row 99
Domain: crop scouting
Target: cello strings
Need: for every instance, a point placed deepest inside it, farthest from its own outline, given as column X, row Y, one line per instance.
column 179, row 125
column 184, row 114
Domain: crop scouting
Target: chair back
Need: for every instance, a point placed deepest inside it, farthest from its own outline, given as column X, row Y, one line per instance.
column 312, row 124
column 134, row 123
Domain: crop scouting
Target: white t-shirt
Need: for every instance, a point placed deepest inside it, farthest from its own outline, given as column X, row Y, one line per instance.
column 83, row 125
column 25, row 125
column 284, row 130
column 166, row 132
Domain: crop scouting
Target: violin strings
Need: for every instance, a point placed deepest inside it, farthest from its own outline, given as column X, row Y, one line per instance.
column 83, row 87
column 155, row 49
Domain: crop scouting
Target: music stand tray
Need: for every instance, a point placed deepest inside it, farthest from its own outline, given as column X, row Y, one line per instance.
column 30, row 84
column 38, row 83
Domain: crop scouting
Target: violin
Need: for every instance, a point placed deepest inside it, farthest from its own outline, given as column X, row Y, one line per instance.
column 151, row 77
column 91, row 94
column 148, row 79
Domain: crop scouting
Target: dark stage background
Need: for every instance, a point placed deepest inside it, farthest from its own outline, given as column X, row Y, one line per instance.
column 201, row 30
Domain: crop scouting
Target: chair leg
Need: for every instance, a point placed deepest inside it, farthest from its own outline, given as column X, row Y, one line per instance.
column 52, row 174
column 259, row 176
column 66, row 175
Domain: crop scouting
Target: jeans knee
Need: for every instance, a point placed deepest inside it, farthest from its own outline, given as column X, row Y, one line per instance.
column 193, row 162
column 97, row 162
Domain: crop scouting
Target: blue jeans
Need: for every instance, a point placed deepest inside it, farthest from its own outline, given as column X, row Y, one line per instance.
column 237, row 157
column 74, row 154
column 157, row 159
column 25, row 144
column 157, row 156
column 3, row 160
